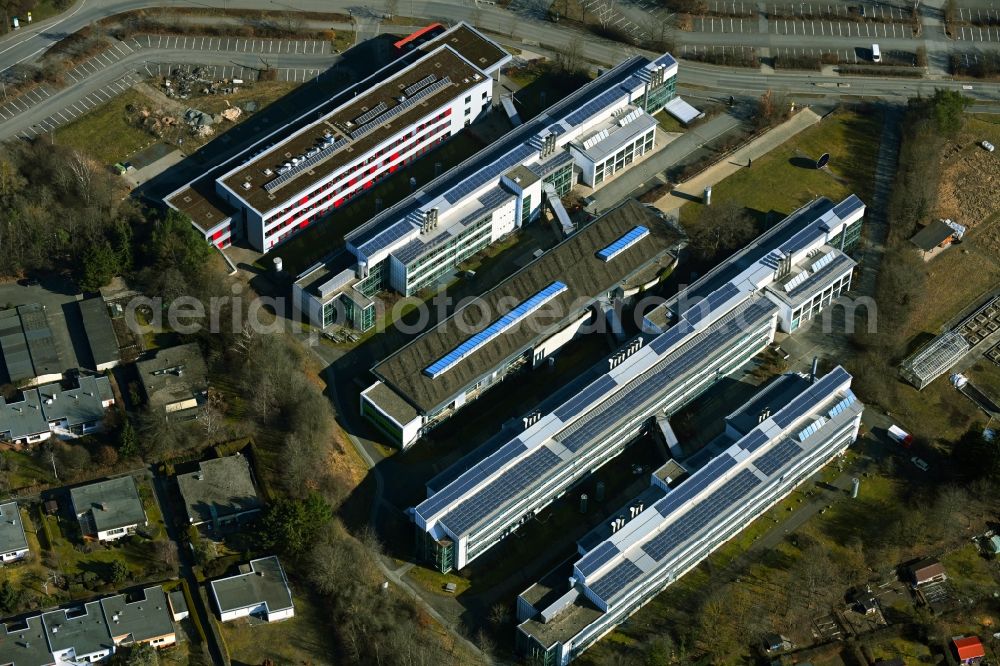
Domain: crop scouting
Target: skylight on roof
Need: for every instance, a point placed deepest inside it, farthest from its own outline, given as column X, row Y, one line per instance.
column 477, row 341
column 623, row 243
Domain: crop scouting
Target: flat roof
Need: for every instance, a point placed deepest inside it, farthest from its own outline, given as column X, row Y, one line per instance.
column 265, row 583
column 615, row 132
column 147, row 616
column 199, row 200
column 603, row 530
column 570, row 621
column 23, row 418
column 512, row 148
column 572, row 262
column 112, row 503
column 221, row 487
column 173, row 374
column 45, row 355
column 391, row 403
column 82, row 629
column 23, row 643
column 772, row 398
column 11, row 529
column 100, row 331
column 443, row 64
column 79, row 405
column 14, row 348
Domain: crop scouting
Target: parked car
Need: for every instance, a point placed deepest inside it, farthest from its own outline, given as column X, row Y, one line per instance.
column 919, row 463
column 988, row 146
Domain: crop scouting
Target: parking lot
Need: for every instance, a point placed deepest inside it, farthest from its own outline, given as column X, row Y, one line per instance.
column 606, row 11
column 824, row 28
column 100, row 61
column 726, row 25
column 80, row 107
column 842, row 55
column 978, row 33
column 235, row 44
column 27, row 100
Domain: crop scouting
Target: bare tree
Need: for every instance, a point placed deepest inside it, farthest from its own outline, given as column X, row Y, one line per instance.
column 720, row 227
column 82, row 169
column 570, row 59
column 391, row 6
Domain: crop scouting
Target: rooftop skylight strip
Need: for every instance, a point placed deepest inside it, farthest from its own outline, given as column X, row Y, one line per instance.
column 623, row 243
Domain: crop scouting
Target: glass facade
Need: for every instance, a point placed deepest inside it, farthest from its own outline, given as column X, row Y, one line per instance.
column 658, row 96
column 375, row 281
column 329, row 313
column 526, row 209
column 382, row 422
column 429, row 267
column 815, row 305
column 440, row 553
column 851, row 234
column 625, row 155
column 561, row 179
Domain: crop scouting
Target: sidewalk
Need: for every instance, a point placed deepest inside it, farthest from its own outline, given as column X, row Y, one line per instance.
column 693, row 189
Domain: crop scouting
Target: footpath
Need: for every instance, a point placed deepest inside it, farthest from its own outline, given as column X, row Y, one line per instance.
column 693, row 189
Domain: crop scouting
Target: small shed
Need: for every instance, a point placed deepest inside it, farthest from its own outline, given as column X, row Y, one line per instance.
column 927, row 570
column 968, row 649
column 936, row 236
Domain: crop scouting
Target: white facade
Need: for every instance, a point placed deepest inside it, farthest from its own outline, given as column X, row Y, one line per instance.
column 677, row 532
column 711, row 334
column 262, row 590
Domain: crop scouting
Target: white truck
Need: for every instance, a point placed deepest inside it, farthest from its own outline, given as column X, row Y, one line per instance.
column 900, row 435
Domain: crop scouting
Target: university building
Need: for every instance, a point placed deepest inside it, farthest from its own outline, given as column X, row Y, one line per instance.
column 421, row 239
column 690, row 343
column 772, row 444
column 522, row 321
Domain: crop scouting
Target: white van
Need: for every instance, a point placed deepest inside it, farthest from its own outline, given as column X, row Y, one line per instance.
column 876, row 53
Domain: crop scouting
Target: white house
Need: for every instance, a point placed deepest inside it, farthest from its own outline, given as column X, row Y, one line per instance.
column 13, row 544
column 260, row 590
column 108, row 510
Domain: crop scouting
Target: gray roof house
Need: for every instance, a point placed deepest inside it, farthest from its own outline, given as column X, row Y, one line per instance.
column 261, row 590
column 220, row 490
column 175, row 380
column 78, row 634
column 76, row 411
column 100, row 334
column 147, row 619
column 13, row 542
column 24, row 643
column 108, row 509
column 28, row 347
column 22, row 422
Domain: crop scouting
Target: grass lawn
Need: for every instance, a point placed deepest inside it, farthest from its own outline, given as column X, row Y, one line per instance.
column 781, row 184
column 105, row 133
column 26, row 470
column 300, row 640
column 967, row 569
column 434, row 581
column 668, row 123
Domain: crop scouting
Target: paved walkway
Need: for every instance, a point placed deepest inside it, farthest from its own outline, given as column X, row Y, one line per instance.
column 694, row 188
column 877, row 218
column 653, row 166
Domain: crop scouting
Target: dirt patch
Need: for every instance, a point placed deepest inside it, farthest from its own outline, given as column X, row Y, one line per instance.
column 969, row 190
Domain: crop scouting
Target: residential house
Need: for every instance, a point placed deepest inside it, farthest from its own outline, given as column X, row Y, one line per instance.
column 13, row 543
column 175, row 381
column 260, row 590
column 108, row 510
column 146, row 619
column 219, row 492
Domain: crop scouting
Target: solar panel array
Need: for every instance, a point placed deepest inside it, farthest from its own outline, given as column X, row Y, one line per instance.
column 386, row 238
column 629, row 401
column 488, row 173
column 628, row 239
column 422, row 83
column 399, row 108
column 848, row 207
column 818, row 277
column 615, row 580
column 801, row 405
column 701, row 515
column 371, row 113
column 595, row 106
column 497, row 492
column 842, row 405
column 812, row 428
column 585, row 398
column 479, row 340
column 697, row 482
column 713, row 301
column 305, row 164
column 823, row 261
column 754, row 440
column 470, row 479
column 777, row 457
column 671, row 336
column 596, row 558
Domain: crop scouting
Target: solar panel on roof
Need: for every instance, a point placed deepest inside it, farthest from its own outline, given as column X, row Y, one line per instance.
column 507, row 453
column 671, row 336
column 848, row 206
column 600, row 103
column 801, row 405
column 709, row 304
column 371, row 113
column 493, row 495
column 596, row 558
column 584, row 398
column 451, row 492
column 777, row 457
column 627, row 240
column 479, row 340
column 754, row 440
column 700, row 515
column 426, row 81
column 615, row 580
column 399, row 108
